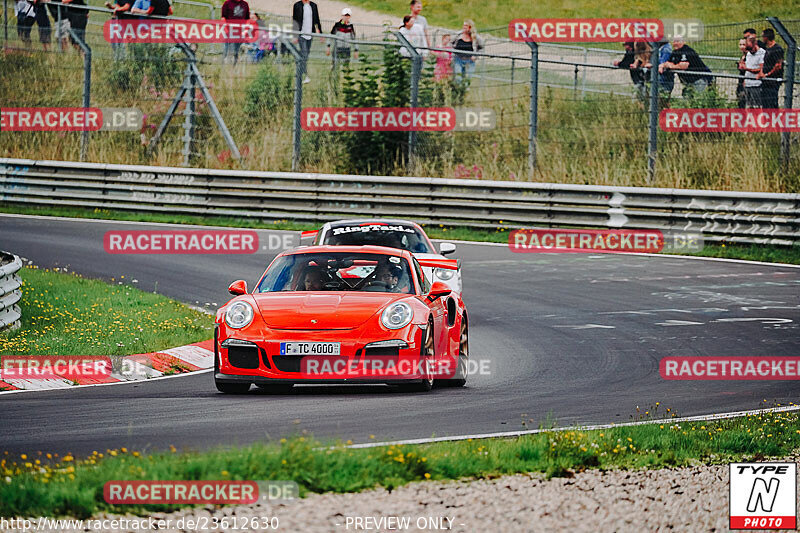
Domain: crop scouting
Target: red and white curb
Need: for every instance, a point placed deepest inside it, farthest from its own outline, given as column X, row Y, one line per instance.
column 174, row 361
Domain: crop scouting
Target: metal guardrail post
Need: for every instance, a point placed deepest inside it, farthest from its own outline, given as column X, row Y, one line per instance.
column 416, row 71
column 87, row 87
column 534, row 107
column 298, row 99
column 652, row 149
column 10, row 313
column 788, row 75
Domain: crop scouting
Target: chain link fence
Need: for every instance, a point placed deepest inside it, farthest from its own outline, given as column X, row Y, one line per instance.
column 563, row 113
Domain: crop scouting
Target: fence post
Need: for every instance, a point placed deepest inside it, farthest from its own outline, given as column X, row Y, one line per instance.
column 87, row 87
column 652, row 150
column 416, row 70
column 5, row 21
column 189, row 119
column 534, row 108
column 788, row 76
column 298, row 99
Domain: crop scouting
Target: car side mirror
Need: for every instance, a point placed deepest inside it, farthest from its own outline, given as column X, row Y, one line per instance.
column 238, row 287
column 438, row 289
column 447, row 248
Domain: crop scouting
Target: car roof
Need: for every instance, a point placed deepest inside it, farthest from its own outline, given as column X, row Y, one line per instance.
column 365, row 221
column 367, row 249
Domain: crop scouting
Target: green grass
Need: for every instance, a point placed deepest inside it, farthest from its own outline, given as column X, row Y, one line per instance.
column 73, row 486
column 750, row 252
column 65, row 314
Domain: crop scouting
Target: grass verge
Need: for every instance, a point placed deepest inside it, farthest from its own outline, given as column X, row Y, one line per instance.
column 65, row 314
column 750, row 252
column 39, row 484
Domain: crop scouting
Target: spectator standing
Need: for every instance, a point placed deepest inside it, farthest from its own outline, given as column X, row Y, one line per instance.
column 416, row 12
column 305, row 19
column 444, row 60
column 237, row 11
column 773, row 68
column 641, row 62
column 753, row 62
column 683, row 58
column 666, row 80
column 346, row 34
column 751, row 32
column 147, row 8
column 61, row 22
column 463, row 43
column 43, row 21
column 25, row 19
column 415, row 36
column 740, row 99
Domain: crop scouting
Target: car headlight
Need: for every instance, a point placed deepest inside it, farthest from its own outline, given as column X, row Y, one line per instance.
column 397, row 315
column 444, row 274
column 239, row 314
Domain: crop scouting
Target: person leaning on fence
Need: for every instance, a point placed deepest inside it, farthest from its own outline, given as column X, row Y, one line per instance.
column 305, row 19
column 463, row 43
column 345, row 34
column 627, row 63
column 752, row 64
column 415, row 35
column 120, row 10
column 25, row 19
column 666, row 79
column 152, row 8
column 684, row 58
column 773, row 68
column 238, row 11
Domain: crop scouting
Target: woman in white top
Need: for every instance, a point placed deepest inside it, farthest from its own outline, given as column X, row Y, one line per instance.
column 415, row 35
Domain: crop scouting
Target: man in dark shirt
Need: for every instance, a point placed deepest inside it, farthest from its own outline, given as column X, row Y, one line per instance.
column 237, row 11
column 684, row 58
column 627, row 60
column 773, row 68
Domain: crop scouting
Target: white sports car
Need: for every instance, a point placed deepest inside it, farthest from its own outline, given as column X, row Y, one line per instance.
column 393, row 234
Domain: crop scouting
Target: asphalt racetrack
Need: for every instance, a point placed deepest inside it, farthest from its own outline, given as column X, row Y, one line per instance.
column 568, row 338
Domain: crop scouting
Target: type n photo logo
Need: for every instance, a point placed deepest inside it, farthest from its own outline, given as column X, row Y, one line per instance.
column 763, row 496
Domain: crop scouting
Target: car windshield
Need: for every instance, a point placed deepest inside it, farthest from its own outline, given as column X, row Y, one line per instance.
column 402, row 236
column 338, row 272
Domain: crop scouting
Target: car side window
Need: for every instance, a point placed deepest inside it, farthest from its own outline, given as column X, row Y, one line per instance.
column 424, row 283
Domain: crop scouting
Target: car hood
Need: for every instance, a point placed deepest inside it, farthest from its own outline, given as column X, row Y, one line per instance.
column 337, row 310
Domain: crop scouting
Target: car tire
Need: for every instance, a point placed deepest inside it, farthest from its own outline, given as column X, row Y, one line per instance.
column 275, row 388
column 427, row 350
column 232, row 388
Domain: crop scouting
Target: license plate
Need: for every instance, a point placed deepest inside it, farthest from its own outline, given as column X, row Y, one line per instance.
column 310, row 348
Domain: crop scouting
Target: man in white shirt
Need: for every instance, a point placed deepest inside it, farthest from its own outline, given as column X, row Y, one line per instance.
column 305, row 19
column 752, row 64
column 416, row 12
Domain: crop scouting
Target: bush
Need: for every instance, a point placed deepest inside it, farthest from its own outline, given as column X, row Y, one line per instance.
column 268, row 91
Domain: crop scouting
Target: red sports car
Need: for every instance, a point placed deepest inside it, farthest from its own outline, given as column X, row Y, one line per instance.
column 342, row 314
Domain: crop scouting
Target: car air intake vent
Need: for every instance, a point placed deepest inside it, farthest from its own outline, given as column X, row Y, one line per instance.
column 243, row 356
column 390, row 351
column 288, row 363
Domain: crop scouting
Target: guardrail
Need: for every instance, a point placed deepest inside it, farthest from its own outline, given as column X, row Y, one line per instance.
column 767, row 218
column 10, row 293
